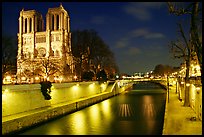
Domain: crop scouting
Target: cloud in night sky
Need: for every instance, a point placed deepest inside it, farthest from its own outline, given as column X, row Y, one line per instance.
column 138, row 34
column 146, row 34
column 142, row 10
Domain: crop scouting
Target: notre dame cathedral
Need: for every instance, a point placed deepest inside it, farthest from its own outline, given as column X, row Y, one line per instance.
column 44, row 54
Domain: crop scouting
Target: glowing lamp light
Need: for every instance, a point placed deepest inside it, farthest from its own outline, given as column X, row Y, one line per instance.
column 36, row 78
column 61, row 78
column 102, row 85
column 91, row 85
column 197, row 67
column 23, row 78
column 76, row 87
column 193, row 75
column 8, row 77
column 6, row 91
column 182, row 82
column 197, row 88
column 187, row 84
column 55, row 78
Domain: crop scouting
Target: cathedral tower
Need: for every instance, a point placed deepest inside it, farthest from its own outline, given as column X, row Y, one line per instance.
column 44, row 54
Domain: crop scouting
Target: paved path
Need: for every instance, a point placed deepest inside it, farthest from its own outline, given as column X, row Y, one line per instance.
column 177, row 118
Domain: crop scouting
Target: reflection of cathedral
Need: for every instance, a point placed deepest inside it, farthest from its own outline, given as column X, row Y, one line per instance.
column 44, row 54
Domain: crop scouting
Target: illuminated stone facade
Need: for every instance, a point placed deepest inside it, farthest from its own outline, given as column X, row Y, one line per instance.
column 44, row 54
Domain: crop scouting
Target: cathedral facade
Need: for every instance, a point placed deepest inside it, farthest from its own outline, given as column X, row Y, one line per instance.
column 44, row 54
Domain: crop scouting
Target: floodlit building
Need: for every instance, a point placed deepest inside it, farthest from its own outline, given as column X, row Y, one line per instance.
column 44, row 54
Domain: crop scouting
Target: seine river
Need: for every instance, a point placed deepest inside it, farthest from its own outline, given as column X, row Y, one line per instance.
column 139, row 111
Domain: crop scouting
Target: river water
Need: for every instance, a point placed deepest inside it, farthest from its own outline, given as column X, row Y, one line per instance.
column 139, row 111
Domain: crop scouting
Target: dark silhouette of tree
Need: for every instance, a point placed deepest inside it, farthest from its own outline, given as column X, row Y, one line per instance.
column 91, row 53
column 46, row 89
column 101, row 75
column 88, row 75
column 9, row 54
column 162, row 70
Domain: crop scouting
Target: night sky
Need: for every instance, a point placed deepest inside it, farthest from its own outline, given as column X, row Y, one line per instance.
column 137, row 33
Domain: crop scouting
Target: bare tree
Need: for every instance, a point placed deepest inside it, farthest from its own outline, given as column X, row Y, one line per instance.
column 187, row 47
column 183, row 49
column 194, row 9
column 48, row 67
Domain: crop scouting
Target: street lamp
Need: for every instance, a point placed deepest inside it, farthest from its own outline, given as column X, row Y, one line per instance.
column 75, row 77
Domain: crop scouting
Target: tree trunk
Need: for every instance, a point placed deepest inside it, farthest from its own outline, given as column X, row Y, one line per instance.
column 194, row 33
column 187, row 81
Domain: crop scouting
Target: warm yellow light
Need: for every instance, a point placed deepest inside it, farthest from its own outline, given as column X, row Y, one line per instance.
column 102, row 85
column 36, row 78
column 197, row 88
column 52, row 88
column 197, row 67
column 92, row 85
column 23, row 78
column 79, row 124
column 76, row 87
column 8, row 77
column 6, row 91
column 61, row 78
column 187, row 84
column 75, row 77
column 182, row 82
column 193, row 75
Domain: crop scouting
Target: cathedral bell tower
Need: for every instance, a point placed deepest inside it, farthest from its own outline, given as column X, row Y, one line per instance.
column 36, row 46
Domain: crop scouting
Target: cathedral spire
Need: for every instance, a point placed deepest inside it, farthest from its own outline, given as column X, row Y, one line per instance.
column 61, row 4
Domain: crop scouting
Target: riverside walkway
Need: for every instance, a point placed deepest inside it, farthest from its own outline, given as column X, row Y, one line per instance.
column 177, row 117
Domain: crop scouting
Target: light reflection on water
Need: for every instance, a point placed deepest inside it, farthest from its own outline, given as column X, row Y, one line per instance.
column 149, row 111
column 85, row 122
column 133, row 113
